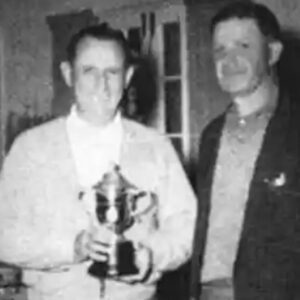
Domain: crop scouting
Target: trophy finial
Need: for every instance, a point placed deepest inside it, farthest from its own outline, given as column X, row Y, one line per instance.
column 113, row 180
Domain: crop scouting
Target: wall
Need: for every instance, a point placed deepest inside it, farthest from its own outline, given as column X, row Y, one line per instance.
column 28, row 55
column 287, row 11
column 28, row 48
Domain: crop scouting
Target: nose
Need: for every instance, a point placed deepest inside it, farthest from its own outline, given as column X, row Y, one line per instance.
column 101, row 81
column 230, row 64
column 231, row 58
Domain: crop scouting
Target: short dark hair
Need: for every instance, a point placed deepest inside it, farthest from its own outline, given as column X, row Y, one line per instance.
column 100, row 32
column 262, row 15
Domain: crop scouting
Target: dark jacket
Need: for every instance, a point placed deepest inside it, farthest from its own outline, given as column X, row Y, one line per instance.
column 267, row 265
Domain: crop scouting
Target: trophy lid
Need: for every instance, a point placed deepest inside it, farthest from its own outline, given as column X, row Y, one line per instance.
column 113, row 179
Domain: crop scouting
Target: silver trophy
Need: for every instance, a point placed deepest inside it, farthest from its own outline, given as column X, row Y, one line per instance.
column 117, row 207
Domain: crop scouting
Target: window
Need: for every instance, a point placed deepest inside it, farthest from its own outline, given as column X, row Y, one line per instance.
column 157, row 36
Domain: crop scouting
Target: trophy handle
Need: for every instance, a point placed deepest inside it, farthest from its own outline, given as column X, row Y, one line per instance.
column 152, row 203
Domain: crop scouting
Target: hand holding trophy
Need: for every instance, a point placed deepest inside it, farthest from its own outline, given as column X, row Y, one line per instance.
column 115, row 202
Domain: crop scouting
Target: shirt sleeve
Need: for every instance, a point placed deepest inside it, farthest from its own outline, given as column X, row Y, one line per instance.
column 171, row 244
column 27, row 238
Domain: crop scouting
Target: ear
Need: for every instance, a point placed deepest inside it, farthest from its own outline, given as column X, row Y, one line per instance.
column 275, row 50
column 66, row 71
column 128, row 75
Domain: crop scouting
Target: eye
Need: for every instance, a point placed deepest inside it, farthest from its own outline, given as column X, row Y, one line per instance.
column 218, row 52
column 114, row 71
column 245, row 45
column 88, row 69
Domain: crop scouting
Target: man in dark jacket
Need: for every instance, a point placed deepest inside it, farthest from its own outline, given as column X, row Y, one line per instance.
column 247, row 241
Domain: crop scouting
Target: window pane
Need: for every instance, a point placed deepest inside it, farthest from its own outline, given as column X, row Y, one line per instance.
column 134, row 39
column 173, row 112
column 173, row 106
column 171, row 35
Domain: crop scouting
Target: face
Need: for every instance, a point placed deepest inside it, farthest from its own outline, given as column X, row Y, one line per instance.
column 98, row 77
column 242, row 56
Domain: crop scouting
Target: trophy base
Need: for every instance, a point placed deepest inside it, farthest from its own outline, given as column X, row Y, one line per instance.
column 125, row 259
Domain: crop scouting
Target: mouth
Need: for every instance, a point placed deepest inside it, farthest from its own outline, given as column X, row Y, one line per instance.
column 230, row 69
column 100, row 99
column 232, row 75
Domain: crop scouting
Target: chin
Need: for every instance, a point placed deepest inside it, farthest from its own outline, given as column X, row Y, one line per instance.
column 234, row 87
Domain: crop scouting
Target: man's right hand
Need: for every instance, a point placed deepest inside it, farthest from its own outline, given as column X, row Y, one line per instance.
column 93, row 244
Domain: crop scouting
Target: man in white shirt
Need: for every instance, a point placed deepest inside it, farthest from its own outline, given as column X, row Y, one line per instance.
column 45, row 226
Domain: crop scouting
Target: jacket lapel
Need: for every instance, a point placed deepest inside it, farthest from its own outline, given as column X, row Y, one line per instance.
column 273, row 160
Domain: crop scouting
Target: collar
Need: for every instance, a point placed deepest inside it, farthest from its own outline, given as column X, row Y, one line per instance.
column 264, row 112
column 110, row 133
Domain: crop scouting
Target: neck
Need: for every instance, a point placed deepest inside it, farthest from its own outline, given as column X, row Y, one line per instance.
column 95, row 121
column 264, row 95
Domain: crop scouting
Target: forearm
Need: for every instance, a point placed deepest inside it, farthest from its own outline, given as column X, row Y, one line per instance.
column 171, row 246
column 171, row 242
column 36, row 249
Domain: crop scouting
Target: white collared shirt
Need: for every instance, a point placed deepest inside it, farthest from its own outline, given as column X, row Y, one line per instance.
column 94, row 149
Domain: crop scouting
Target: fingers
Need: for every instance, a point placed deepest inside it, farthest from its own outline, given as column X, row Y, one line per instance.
column 98, row 250
column 96, row 243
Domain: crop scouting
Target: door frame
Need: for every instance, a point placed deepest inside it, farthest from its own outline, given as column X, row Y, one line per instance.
column 3, row 99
